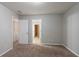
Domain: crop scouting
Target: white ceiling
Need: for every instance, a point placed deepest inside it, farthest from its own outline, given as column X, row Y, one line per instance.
column 32, row 8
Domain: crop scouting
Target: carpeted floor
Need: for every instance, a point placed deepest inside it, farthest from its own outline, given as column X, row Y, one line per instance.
column 21, row 50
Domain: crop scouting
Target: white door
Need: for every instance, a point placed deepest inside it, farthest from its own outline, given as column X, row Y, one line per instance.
column 23, row 32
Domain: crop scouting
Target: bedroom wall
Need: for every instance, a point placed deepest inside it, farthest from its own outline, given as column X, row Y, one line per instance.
column 51, row 28
column 71, row 29
column 6, row 41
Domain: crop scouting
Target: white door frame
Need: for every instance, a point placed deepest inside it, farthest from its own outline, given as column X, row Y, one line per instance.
column 34, row 22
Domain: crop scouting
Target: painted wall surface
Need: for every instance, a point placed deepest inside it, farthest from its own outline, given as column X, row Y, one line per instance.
column 23, row 34
column 71, row 29
column 51, row 28
column 6, row 41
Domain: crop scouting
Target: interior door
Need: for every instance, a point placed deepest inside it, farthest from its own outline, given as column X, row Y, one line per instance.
column 23, row 32
column 36, row 31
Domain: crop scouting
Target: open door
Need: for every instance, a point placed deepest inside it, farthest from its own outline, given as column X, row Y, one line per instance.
column 36, row 31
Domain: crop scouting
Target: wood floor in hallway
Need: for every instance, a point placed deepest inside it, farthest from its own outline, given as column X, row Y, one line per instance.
column 31, row 50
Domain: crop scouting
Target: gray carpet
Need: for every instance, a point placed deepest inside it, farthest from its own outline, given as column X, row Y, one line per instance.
column 29, row 50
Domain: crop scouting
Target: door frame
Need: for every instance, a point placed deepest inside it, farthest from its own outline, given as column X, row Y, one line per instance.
column 15, row 30
column 34, row 22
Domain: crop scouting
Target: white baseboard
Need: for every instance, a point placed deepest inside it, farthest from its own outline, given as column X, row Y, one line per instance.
column 52, row 44
column 6, row 51
column 47, row 43
column 71, row 50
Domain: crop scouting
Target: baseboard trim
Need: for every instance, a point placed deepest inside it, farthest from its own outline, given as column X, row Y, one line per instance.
column 49, row 45
column 71, row 50
column 52, row 44
column 6, row 51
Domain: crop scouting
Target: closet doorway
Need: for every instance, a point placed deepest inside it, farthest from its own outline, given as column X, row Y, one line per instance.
column 36, row 31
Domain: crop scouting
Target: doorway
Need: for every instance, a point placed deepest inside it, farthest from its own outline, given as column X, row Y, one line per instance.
column 15, row 30
column 36, row 31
